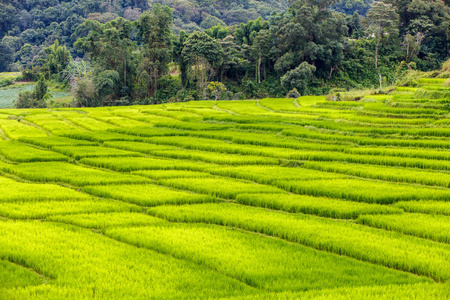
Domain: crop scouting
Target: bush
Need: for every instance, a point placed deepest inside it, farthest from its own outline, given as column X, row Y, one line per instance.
column 293, row 93
column 25, row 100
column 30, row 75
column 86, row 93
column 6, row 82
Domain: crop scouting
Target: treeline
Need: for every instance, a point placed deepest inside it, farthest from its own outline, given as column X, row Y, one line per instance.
column 26, row 26
column 309, row 49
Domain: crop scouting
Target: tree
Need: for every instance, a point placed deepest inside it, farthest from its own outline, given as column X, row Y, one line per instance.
column 261, row 45
column 35, row 99
column 311, row 33
column 6, row 57
column 58, row 58
column 216, row 88
column 86, row 93
column 412, row 45
column 203, row 53
column 429, row 17
column 25, row 100
column 111, row 48
column 154, row 30
column 7, row 18
column 40, row 92
column 355, row 28
column 381, row 20
column 245, row 32
column 178, row 57
column 106, row 84
column 299, row 78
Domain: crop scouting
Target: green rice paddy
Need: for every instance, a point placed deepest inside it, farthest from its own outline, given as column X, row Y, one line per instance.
column 260, row 199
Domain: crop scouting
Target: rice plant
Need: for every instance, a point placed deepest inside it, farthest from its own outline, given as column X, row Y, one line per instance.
column 433, row 227
column 267, row 264
column 384, row 173
column 146, row 194
column 364, row 190
column 425, row 207
column 219, row 186
column 108, row 269
column 127, row 164
column 51, row 141
column 19, row 152
column 217, row 158
column 164, row 174
column 14, row 191
column 14, row 129
column 79, row 152
column 401, row 252
column 320, row 206
column 102, row 220
column 70, row 173
column 43, row 209
column 303, row 199
column 15, row 276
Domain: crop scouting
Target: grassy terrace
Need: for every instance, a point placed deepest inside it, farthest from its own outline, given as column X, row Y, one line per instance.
column 260, row 199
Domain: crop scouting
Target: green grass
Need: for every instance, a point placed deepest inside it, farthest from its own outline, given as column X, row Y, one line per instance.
column 15, row 276
column 219, row 186
column 79, row 152
column 146, row 194
column 14, row 191
column 110, row 269
column 42, row 209
column 267, row 264
column 381, row 247
column 19, row 152
column 70, row 173
column 127, row 164
column 320, row 206
column 433, row 227
column 15, row 129
column 102, row 220
column 426, row 207
column 365, row 190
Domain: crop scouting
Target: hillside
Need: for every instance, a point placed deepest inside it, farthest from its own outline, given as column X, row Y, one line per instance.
column 118, row 52
column 253, row 199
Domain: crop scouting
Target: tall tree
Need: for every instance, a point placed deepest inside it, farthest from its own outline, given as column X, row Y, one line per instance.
column 110, row 48
column 6, row 56
column 58, row 58
column 204, row 54
column 261, row 45
column 312, row 33
column 429, row 17
column 178, row 57
column 381, row 20
column 154, row 30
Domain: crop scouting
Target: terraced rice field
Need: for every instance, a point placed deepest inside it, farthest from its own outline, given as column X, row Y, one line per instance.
column 268, row 199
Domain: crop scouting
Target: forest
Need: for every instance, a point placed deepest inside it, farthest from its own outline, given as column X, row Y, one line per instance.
column 143, row 52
